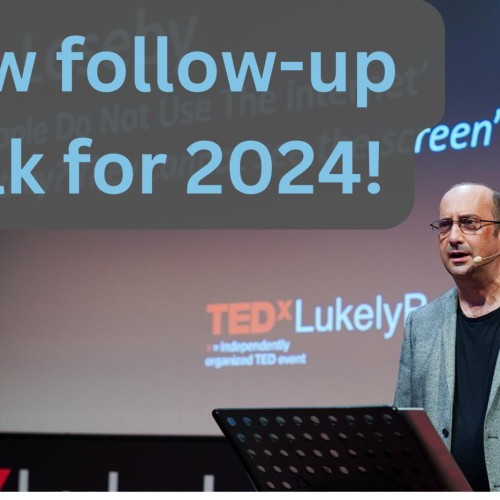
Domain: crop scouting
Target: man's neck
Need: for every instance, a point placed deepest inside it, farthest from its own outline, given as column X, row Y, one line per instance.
column 478, row 296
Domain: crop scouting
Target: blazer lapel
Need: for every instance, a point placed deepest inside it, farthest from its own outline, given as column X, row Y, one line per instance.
column 495, row 384
column 449, row 341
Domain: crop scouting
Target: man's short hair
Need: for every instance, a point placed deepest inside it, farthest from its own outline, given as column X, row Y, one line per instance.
column 495, row 210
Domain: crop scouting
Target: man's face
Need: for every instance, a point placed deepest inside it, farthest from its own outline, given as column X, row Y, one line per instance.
column 457, row 249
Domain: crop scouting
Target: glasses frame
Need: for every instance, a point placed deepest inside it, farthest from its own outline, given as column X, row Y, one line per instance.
column 461, row 221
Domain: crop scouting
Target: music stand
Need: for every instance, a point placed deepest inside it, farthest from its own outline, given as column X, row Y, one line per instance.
column 340, row 449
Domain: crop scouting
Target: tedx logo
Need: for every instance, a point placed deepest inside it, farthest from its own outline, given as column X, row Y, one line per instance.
column 22, row 478
column 241, row 318
column 4, row 475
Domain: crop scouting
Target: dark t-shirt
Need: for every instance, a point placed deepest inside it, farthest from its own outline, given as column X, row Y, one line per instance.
column 477, row 346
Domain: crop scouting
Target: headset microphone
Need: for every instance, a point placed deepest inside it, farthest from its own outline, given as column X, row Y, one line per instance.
column 478, row 259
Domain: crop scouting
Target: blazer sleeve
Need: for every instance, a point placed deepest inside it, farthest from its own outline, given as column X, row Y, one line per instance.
column 403, row 397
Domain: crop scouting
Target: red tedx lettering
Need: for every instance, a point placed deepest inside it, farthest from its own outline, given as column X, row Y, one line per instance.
column 216, row 310
column 263, row 317
column 238, row 321
column 241, row 318
column 284, row 313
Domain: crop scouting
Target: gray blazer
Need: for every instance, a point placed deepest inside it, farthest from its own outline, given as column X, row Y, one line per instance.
column 427, row 376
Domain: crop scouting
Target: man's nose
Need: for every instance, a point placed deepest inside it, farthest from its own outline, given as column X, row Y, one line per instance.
column 455, row 235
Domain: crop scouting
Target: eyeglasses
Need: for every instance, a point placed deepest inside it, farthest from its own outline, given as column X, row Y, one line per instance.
column 468, row 225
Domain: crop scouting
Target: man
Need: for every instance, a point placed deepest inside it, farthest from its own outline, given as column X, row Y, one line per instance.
column 448, row 362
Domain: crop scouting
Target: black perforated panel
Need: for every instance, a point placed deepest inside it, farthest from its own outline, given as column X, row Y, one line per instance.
column 343, row 449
